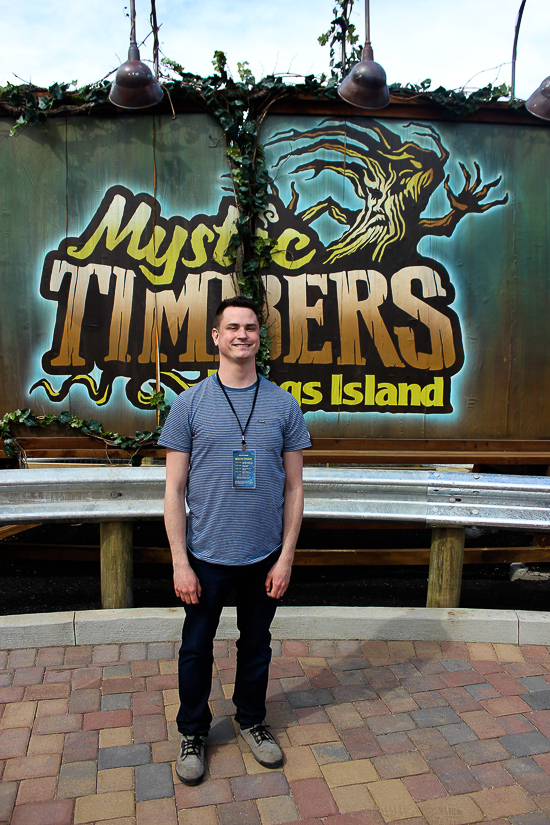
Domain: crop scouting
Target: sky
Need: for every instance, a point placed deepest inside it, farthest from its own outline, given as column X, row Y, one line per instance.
column 457, row 43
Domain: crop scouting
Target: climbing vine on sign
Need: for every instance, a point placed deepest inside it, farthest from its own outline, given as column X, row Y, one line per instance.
column 132, row 444
column 342, row 36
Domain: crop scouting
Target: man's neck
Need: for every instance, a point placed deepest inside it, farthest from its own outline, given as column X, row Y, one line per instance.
column 237, row 376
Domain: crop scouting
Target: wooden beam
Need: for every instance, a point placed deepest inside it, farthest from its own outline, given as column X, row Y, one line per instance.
column 446, row 560
column 77, row 447
column 116, row 539
column 371, row 556
column 12, row 529
column 508, row 452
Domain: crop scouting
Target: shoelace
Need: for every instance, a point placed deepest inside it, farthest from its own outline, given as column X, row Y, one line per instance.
column 191, row 746
column 261, row 734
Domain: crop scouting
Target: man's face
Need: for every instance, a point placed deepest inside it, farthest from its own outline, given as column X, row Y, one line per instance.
column 238, row 335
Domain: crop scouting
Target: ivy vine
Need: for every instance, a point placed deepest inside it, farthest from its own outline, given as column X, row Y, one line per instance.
column 240, row 107
column 455, row 103
column 342, row 35
column 132, row 444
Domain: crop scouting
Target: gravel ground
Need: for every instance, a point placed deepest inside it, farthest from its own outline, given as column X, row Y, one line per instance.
column 46, row 586
column 43, row 587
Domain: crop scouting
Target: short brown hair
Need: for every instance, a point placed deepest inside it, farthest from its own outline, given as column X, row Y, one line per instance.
column 237, row 301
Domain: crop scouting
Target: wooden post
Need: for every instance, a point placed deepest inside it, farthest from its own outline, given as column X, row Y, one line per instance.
column 117, row 560
column 446, row 559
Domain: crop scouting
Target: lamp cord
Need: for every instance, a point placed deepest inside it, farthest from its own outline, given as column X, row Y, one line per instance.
column 132, row 23
column 515, row 50
column 155, row 28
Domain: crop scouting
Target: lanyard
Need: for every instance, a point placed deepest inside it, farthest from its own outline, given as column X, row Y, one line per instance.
column 233, row 408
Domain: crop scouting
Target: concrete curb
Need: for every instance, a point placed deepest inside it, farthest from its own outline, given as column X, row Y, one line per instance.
column 94, row 627
column 37, row 630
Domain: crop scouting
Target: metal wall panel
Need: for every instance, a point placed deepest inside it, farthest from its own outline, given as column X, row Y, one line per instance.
column 408, row 291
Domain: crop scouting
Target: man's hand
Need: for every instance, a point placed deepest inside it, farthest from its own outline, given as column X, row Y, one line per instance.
column 278, row 579
column 186, row 585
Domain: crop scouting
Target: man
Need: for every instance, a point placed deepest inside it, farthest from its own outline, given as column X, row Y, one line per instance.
column 234, row 443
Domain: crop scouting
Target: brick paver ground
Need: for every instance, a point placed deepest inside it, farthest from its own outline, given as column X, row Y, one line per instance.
column 414, row 733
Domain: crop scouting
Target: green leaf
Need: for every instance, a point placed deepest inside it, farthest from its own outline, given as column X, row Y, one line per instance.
column 9, row 447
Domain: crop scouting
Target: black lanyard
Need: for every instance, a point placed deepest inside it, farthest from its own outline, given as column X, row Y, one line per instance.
column 233, row 408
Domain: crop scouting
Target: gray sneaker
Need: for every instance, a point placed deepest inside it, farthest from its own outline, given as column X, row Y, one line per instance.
column 263, row 746
column 190, row 761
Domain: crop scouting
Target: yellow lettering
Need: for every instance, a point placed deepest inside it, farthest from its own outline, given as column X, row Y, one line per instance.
column 432, row 394
column 285, row 258
column 224, row 233
column 69, row 349
column 295, row 388
column 351, row 308
column 442, row 354
column 353, row 391
column 429, row 396
column 191, row 304
column 409, row 389
column 199, row 235
column 121, row 314
column 386, row 395
column 272, row 286
column 311, row 394
column 370, row 386
column 110, row 227
column 336, row 390
column 169, row 260
column 298, row 314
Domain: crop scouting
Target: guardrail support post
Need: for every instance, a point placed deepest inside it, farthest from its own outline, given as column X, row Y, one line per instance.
column 117, row 561
column 446, row 560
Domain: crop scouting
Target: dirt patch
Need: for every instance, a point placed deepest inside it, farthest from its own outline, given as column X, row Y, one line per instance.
column 43, row 586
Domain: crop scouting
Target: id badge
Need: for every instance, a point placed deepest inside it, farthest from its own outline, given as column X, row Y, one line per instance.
column 244, row 469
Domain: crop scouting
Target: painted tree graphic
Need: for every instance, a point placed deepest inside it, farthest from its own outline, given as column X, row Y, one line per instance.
column 394, row 180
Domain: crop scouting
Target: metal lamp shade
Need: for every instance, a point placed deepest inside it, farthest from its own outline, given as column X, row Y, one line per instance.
column 134, row 86
column 365, row 86
column 539, row 102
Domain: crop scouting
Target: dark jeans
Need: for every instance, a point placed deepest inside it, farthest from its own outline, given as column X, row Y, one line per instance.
column 255, row 612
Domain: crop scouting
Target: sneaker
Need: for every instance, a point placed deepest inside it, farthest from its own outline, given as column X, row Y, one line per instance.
column 190, row 762
column 263, row 746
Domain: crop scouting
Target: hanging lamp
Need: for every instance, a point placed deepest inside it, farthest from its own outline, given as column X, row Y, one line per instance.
column 365, row 86
column 134, row 86
column 539, row 102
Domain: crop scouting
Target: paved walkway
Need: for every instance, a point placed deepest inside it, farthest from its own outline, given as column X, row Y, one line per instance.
column 373, row 732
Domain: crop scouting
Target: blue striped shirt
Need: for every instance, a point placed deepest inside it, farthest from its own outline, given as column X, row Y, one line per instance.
column 226, row 525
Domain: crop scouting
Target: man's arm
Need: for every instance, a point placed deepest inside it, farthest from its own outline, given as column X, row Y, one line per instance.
column 279, row 576
column 186, row 584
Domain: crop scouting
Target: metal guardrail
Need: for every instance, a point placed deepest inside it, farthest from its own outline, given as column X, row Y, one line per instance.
column 82, row 493
column 433, row 498
column 428, row 497
column 445, row 501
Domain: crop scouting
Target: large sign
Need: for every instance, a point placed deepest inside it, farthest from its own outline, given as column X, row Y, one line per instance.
column 386, row 233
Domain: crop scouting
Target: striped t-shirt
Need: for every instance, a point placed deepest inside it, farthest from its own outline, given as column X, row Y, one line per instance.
column 227, row 525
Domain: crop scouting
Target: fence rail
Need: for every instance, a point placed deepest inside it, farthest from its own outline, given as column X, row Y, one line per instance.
column 429, row 497
column 446, row 501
